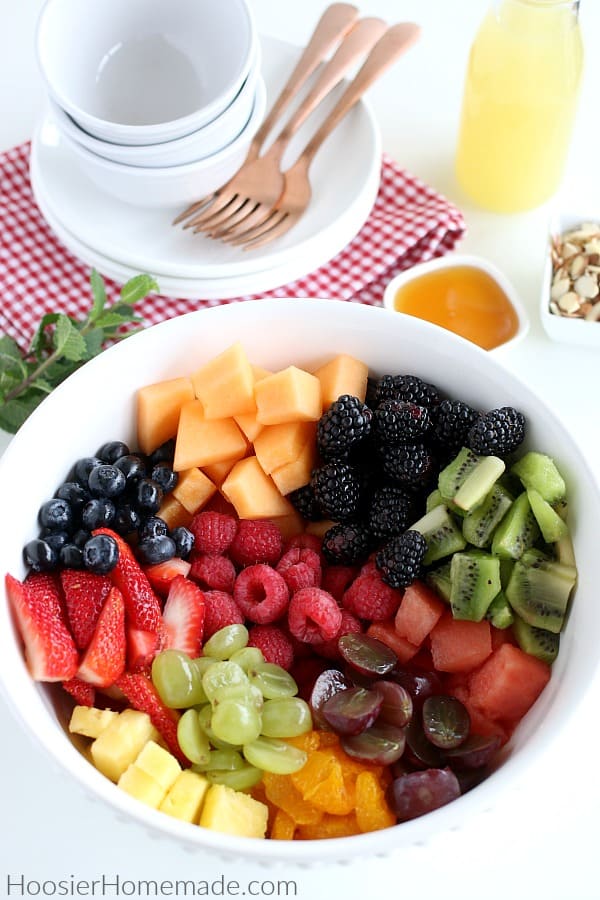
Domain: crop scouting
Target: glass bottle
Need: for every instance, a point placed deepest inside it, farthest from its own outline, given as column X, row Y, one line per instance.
column 519, row 103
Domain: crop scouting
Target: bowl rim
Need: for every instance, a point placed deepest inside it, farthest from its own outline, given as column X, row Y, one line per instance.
column 452, row 260
column 178, row 127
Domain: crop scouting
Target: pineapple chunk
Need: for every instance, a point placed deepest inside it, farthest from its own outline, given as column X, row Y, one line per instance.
column 142, row 786
column 158, row 763
column 185, row 797
column 232, row 812
column 89, row 721
column 121, row 741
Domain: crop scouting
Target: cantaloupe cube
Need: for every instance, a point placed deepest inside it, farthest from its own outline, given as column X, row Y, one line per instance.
column 288, row 396
column 158, row 408
column 201, row 441
column 278, row 445
column 253, row 493
column 174, row 513
column 185, row 797
column 142, row 786
column 289, row 525
column 319, row 528
column 219, row 471
column 258, row 373
column 233, row 812
column 249, row 425
column 295, row 474
column 89, row 721
column 119, row 744
column 193, row 490
column 342, row 375
column 225, row 384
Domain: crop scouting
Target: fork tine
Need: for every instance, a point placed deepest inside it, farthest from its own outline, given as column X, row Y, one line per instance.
column 252, row 234
column 283, row 226
column 199, row 204
column 238, row 219
column 252, row 220
column 219, row 207
column 220, row 218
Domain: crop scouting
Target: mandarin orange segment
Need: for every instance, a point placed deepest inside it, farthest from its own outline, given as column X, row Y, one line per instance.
column 372, row 811
column 329, row 827
column 283, row 827
column 324, row 784
column 328, row 739
column 309, row 741
column 280, row 792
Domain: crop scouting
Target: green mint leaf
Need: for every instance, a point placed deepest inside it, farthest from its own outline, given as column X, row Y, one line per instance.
column 98, row 293
column 67, row 340
column 14, row 413
column 137, row 288
column 93, row 342
column 11, row 359
column 111, row 319
column 41, row 341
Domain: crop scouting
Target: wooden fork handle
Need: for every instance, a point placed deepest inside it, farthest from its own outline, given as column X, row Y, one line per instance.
column 386, row 51
column 335, row 22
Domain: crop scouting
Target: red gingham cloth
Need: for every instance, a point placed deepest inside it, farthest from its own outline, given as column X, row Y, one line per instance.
column 409, row 223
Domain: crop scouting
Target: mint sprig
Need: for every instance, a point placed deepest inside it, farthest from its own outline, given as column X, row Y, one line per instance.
column 61, row 344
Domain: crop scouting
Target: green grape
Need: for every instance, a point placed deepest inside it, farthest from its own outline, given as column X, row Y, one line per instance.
column 226, row 641
column 273, row 681
column 248, row 692
column 247, row 658
column 205, row 719
column 273, row 755
column 202, row 663
column 192, row 739
column 236, row 721
column 223, row 761
column 222, row 675
column 286, row 717
column 238, row 780
column 176, row 679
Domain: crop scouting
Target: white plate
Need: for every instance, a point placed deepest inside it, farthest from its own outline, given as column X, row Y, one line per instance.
column 344, row 190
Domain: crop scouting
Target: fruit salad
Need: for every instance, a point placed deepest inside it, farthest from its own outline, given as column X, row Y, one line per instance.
column 306, row 604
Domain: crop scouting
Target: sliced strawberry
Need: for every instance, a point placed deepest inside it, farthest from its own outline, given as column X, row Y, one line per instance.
column 104, row 659
column 183, row 617
column 162, row 574
column 142, row 695
column 141, row 603
column 142, row 647
column 83, row 692
column 85, row 594
column 50, row 651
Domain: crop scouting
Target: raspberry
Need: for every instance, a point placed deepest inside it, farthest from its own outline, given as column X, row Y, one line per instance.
column 337, row 488
column 256, row 542
column 313, row 615
column 274, row 644
column 347, row 544
column 391, row 511
column 346, row 423
column 305, row 541
column 400, row 560
column 498, row 432
column 336, row 579
column 369, row 597
column 261, row 594
column 300, row 568
column 453, row 422
column 213, row 532
column 220, row 609
column 396, row 420
column 350, row 625
column 215, row 573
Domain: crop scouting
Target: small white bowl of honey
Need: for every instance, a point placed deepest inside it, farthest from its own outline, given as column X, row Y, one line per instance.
column 464, row 294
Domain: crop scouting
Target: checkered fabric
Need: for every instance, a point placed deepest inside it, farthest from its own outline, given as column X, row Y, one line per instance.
column 409, row 223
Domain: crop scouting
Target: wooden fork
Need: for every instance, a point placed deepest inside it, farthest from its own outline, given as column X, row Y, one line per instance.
column 297, row 192
column 335, row 22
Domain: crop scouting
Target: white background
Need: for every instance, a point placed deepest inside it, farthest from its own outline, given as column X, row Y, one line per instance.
column 541, row 841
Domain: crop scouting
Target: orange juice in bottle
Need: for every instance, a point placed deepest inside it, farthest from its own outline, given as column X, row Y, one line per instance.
column 519, row 103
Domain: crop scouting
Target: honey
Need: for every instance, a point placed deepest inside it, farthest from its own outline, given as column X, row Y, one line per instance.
column 462, row 299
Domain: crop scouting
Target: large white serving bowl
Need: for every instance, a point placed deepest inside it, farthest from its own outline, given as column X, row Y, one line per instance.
column 97, row 404
column 145, row 71
column 170, row 186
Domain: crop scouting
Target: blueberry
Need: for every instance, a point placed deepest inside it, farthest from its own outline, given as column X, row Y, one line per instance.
column 56, row 539
column 164, row 475
column 164, row 453
column 75, row 494
column 127, row 519
column 153, row 527
column 156, row 549
column 100, row 554
column 98, row 513
column 112, row 451
column 80, row 537
column 40, row 556
column 148, row 496
column 184, row 541
column 82, row 468
column 132, row 466
column 106, row 481
column 56, row 515
column 71, row 556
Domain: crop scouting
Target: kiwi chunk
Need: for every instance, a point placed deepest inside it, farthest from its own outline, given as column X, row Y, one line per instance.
column 453, row 476
column 518, row 530
column 433, row 499
column 538, row 471
column 439, row 579
column 475, row 581
column 499, row 613
column 479, row 482
column 479, row 524
column 536, row 641
column 553, row 528
column 539, row 590
column 441, row 533
column 565, row 552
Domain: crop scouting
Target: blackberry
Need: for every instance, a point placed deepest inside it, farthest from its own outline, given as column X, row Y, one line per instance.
column 303, row 499
column 497, row 432
column 407, row 389
column 346, row 423
column 412, row 465
column 400, row 561
column 337, row 489
column 454, row 419
column 397, row 421
column 347, row 543
column 390, row 511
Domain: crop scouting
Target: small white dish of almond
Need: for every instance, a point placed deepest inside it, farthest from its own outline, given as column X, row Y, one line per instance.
column 570, row 302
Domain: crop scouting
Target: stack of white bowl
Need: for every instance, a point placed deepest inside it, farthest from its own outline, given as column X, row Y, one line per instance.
column 157, row 101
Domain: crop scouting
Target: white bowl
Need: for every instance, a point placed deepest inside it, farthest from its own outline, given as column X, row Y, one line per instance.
column 561, row 328
column 170, row 186
column 454, row 260
column 277, row 333
column 205, row 141
column 145, row 71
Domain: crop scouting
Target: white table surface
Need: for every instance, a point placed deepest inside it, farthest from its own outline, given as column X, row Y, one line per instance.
column 546, row 844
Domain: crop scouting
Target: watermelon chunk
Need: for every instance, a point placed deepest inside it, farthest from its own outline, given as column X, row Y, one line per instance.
column 387, row 634
column 458, row 645
column 419, row 611
column 508, row 683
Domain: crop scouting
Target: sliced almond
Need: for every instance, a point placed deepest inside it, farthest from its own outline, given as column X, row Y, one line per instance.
column 569, row 302
column 560, row 286
column 554, row 308
column 587, row 287
column 592, row 246
column 568, row 250
column 577, row 266
column 594, row 314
